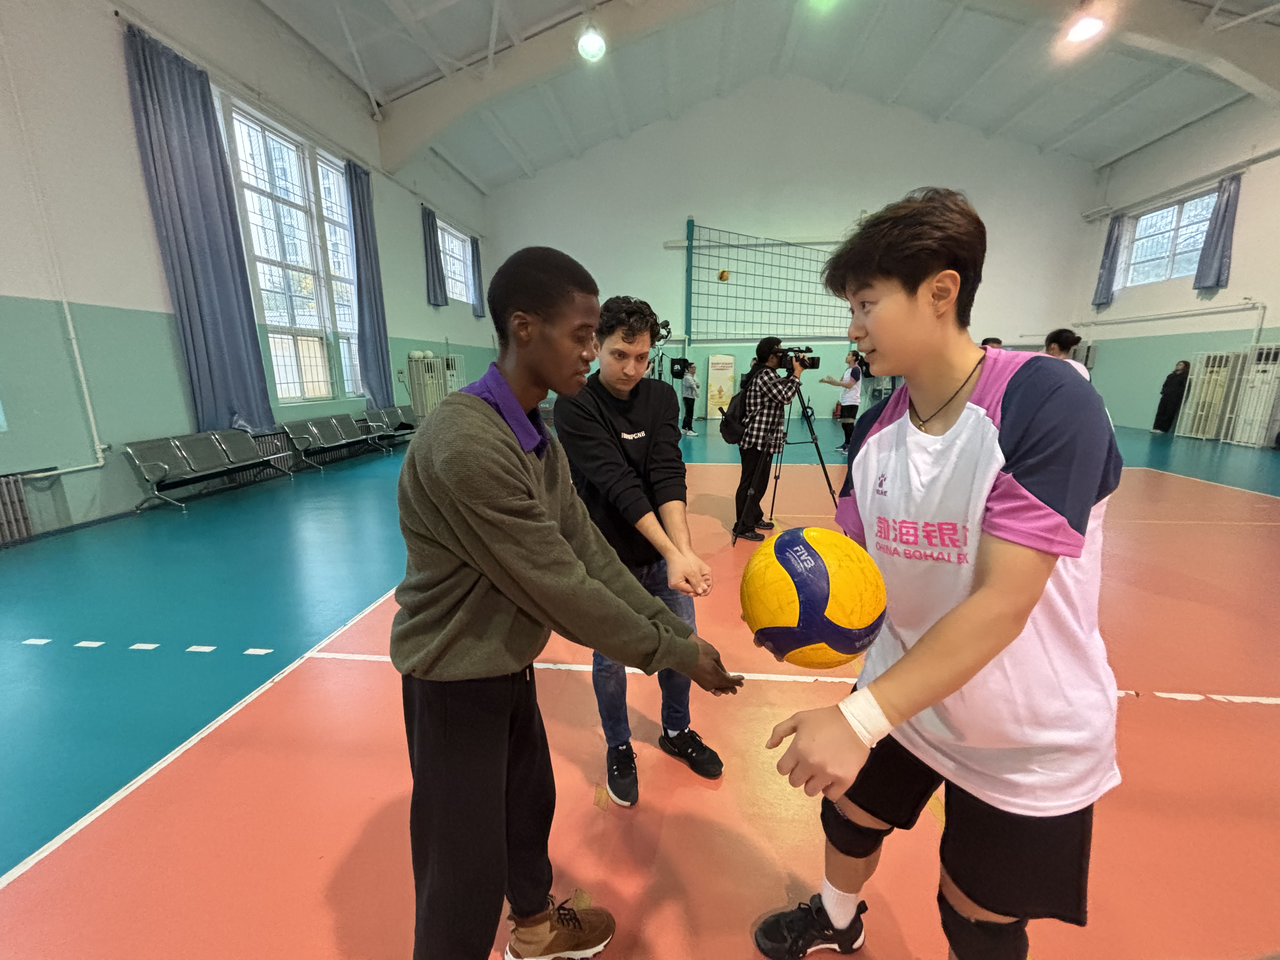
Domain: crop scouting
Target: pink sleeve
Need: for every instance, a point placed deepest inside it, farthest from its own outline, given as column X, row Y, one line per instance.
column 850, row 520
column 1013, row 513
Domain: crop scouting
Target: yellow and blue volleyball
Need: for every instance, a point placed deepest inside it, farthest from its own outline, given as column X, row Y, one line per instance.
column 813, row 597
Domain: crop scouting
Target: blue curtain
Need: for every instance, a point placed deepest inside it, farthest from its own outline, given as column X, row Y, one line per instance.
column 194, row 207
column 375, row 352
column 1214, row 268
column 1104, row 292
column 437, row 294
column 477, row 280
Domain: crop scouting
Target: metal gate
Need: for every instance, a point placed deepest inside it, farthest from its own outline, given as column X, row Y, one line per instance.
column 1256, row 411
column 1212, row 388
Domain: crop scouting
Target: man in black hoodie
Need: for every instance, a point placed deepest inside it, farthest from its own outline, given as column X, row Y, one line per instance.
column 622, row 438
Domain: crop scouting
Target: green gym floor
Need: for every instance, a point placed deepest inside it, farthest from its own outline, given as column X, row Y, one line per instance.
column 120, row 645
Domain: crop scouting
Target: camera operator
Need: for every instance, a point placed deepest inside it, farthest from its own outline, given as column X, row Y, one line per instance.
column 765, row 404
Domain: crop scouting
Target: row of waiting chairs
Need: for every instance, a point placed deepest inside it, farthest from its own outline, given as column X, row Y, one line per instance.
column 171, row 462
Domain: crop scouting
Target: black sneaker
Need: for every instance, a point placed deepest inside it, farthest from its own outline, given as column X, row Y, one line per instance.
column 621, row 780
column 750, row 535
column 689, row 748
column 793, row 934
column 764, row 525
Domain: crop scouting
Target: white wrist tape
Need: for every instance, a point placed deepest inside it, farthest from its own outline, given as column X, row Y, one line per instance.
column 865, row 716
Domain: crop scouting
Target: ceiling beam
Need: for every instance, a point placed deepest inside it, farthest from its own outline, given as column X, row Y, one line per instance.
column 417, row 118
column 558, row 117
column 493, row 31
column 614, row 93
column 728, row 47
column 508, row 142
column 1181, row 125
column 1208, row 19
column 460, row 169
column 995, row 65
column 1115, row 104
column 1256, row 15
column 855, row 51
column 510, row 24
column 1055, row 78
column 938, row 36
column 782, row 66
column 670, row 78
column 355, row 55
column 420, row 36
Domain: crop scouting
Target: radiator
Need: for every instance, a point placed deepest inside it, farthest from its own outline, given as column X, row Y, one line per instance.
column 428, row 383
column 15, row 524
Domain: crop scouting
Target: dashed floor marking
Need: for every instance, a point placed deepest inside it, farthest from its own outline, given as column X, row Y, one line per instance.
column 257, row 651
column 90, row 643
column 144, row 646
column 37, row 643
column 199, row 649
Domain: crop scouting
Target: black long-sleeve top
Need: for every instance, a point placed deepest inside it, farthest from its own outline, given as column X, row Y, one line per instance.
column 624, row 457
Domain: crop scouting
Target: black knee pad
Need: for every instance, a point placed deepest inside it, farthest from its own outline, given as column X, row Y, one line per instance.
column 982, row 939
column 851, row 839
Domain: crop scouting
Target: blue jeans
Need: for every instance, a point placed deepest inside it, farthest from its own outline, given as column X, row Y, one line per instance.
column 610, row 677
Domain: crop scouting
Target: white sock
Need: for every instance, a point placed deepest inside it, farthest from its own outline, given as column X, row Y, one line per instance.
column 841, row 907
column 675, row 733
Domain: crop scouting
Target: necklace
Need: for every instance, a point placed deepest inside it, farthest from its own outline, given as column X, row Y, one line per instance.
column 911, row 403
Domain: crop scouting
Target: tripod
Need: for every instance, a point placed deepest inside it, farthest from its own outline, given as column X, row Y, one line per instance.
column 806, row 414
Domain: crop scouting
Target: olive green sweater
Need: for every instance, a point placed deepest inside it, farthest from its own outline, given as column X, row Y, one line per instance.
column 502, row 552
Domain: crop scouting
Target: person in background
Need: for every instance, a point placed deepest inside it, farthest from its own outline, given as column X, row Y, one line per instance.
column 1171, row 394
column 993, row 342
column 765, row 404
column 850, row 397
column 619, row 433
column 689, row 393
column 1060, row 343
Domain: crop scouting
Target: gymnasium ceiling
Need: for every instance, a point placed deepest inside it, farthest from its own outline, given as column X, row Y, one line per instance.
column 495, row 89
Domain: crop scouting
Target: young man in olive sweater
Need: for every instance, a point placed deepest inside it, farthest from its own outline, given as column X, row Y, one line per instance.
column 621, row 437
column 500, row 552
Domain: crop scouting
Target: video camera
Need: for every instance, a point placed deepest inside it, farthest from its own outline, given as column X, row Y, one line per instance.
column 787, row 356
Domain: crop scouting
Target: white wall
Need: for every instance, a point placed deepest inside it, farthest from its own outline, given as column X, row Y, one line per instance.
column 1248, row 129
column 788, row 158
column 70, row 139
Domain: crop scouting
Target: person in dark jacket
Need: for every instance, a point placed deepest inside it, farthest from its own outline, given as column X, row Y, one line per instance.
column 621, row 435
column 1171, row 394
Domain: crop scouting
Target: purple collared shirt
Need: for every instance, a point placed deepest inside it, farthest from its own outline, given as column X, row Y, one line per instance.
column 494, row 390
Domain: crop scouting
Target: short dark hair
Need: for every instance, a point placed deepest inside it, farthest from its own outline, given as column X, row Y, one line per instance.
column 992, row 342
column 766, row 348
column 929, row 230
column 1064, row 339
column 630, row 317
column 535, row 280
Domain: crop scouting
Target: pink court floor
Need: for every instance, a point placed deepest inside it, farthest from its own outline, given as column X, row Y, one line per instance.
column 282, row 831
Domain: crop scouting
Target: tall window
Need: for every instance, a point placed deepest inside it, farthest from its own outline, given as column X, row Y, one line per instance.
column 297, row 220
column 1166, row 243
column 455, row 253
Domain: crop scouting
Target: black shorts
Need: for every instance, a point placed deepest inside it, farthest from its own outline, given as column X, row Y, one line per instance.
column 1010, row 864
column 849, row 411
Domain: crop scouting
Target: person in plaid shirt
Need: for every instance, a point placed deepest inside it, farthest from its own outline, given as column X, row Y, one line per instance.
column 767, row 396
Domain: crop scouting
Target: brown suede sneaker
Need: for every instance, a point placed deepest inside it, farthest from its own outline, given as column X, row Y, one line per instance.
column 560, row 932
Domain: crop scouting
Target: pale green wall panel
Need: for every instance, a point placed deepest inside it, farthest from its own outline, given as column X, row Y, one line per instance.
column 1129, row 371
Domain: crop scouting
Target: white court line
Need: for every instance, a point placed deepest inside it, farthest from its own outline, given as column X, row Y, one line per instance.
column 583, row 668
column 36, row 642
column 1214, row 483
column 173, row 755
column 144, row 646
column 90, row 643
column 785, row 678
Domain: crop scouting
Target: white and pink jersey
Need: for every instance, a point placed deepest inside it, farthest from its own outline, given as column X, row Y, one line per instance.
column 1031, row 460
